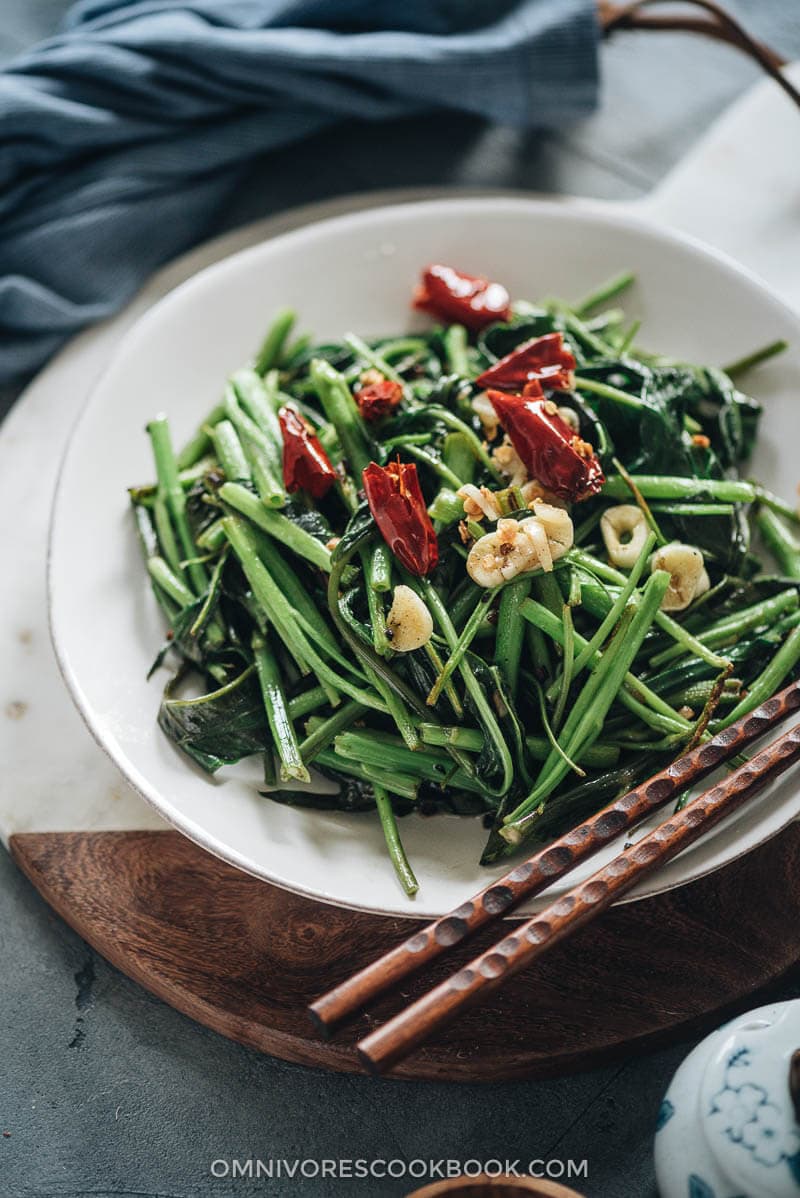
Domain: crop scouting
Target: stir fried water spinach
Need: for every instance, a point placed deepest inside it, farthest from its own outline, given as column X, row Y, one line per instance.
column 500, row 567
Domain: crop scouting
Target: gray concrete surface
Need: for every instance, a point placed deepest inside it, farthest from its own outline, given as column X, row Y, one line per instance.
column 104, row 1091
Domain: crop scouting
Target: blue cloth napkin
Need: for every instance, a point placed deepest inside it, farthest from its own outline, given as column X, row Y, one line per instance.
column 121, row 138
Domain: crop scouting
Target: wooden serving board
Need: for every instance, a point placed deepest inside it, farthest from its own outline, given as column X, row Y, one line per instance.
column 244, row 957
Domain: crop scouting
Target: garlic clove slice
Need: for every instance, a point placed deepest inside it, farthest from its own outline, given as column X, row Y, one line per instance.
column 409, row 624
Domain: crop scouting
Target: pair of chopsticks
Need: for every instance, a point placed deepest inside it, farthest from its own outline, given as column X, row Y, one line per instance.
column 395, row 1039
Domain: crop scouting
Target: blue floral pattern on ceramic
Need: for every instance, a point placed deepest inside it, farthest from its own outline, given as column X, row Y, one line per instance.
column 748, row 1118
column 665, row 1113
column 727, row 1126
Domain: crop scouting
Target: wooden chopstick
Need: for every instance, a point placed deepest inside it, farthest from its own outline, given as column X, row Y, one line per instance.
column 395, row 1039
column 530, row 877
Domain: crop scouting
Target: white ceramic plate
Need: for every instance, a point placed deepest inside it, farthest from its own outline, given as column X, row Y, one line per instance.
column 356, row 273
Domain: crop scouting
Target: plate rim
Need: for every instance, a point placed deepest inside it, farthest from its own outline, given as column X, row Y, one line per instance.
column 623, row 214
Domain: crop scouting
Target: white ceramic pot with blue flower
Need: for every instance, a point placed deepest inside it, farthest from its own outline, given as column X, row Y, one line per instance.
column 729, row 1126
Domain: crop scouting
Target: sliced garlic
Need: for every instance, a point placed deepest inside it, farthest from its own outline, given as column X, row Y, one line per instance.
column 479, row 502
column 509, row 463
column 492, row 562
column 534, row 530
column 533, row 490
column 483, row 408
column 557, row 524
column 689, row 577
column 624, row 531
column 703, row 583
column 409, row 623
column 517, row 546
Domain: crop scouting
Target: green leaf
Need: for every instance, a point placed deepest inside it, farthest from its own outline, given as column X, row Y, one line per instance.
column 665, row 1113
column 500, row 339
column 221, row 727
column 360, row 526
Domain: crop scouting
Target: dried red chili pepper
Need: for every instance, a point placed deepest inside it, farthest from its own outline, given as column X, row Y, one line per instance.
column 553, row 454
column 306, row 465
column 543, row 358
column 464, row 299
column 378, row 399
column 397, row 504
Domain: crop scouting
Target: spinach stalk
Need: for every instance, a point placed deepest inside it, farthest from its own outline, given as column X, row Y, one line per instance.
column 590, row 709
column 281, row 727
column 394, row 844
